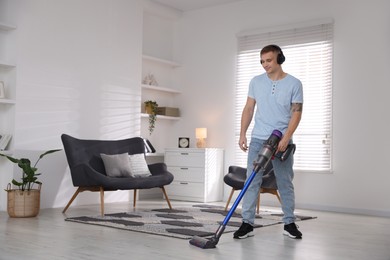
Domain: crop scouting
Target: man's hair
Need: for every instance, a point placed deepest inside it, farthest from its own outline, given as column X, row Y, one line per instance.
column 269, row 48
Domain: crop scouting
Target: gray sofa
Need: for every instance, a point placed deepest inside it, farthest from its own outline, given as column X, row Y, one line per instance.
column 88, row 170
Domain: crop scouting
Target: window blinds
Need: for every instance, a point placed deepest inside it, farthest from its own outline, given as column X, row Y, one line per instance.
column 309, row 52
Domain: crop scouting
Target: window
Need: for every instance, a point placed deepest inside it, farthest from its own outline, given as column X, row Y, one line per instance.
column 309, row 51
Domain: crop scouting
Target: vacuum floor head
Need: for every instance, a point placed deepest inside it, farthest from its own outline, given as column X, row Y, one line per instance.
column 204, row 243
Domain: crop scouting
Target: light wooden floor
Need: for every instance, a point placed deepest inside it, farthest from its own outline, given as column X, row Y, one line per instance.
column 331, row 236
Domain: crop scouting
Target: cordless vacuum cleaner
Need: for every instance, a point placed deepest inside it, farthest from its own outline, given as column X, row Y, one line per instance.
column 264, row 157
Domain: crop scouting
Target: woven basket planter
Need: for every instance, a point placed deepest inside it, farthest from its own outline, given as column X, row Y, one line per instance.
column 23, row 204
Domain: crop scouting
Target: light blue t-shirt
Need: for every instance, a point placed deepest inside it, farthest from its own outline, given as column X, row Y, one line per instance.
column 273, row 101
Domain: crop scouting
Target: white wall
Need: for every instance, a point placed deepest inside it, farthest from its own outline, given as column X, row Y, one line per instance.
column 78, row 72
column 207, row 47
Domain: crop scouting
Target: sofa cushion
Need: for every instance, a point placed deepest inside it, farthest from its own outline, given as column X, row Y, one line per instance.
column 117, row 165
column 138, row 165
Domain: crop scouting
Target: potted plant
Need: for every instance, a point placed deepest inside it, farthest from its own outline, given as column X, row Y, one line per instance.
column 24, row 201
column 151, row 109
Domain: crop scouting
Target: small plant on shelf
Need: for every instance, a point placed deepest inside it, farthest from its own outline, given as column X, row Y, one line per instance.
column 151, row 109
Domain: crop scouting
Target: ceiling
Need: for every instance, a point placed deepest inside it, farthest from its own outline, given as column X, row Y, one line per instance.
column 189, row 5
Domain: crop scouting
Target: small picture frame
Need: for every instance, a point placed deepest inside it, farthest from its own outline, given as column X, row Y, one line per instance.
column 2, row 89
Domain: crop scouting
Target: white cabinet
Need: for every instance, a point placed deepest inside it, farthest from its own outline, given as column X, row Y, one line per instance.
column 198, row 174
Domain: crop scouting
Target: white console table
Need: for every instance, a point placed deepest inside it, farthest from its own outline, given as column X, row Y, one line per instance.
column 198, row 174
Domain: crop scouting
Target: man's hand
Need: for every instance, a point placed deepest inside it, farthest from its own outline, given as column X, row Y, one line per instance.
column 282, row 146
column 246, row 118
column 243, row 143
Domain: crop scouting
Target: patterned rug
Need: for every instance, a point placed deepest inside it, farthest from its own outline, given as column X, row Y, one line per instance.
column 201, row 220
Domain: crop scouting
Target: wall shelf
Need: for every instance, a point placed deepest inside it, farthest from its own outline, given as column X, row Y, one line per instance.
column 162, row 61
column 7, row 101
column 158, row 88
column 7, row 152
column 6, row 27
column 162, row 117
column 7, row 65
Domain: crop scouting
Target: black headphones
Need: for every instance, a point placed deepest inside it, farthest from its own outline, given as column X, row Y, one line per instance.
column 281, row 58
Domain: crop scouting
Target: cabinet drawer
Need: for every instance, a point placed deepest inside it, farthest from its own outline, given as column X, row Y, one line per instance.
column 185, row 189
column 188, row 174
column 185, row 159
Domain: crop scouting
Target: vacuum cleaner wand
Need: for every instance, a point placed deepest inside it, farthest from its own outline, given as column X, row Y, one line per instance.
column 263, row 158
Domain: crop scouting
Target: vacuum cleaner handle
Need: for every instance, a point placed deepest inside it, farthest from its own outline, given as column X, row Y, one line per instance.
column 284, row 155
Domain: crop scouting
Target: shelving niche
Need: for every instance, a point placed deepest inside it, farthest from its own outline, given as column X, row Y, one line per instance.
column 8, row 103
column 8, row 78
column 162, row 93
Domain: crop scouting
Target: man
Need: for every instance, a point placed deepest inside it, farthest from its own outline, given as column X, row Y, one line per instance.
column 278, row 98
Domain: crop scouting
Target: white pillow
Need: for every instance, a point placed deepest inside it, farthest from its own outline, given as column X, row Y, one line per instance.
column 117, row 165
column 138, row 165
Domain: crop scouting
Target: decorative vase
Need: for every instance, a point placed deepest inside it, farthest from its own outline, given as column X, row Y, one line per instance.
column 23, row 204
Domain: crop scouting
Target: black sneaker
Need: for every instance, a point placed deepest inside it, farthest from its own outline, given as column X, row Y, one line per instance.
column 292, row 231
column 246, row 230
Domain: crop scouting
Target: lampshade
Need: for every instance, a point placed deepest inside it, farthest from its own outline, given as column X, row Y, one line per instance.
column 201, row 133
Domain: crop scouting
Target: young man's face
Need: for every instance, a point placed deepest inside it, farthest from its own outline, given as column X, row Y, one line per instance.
column 269, row 62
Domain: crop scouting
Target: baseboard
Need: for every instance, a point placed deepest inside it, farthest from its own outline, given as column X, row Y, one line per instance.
column 355, row 211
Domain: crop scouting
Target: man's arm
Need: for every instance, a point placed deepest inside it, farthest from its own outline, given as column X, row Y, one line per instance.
column 246, row 118
column 296, row 114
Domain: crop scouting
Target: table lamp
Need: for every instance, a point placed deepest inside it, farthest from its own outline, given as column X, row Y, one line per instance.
column 201, row 135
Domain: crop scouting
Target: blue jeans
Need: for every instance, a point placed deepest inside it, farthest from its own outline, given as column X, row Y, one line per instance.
column 284, row 175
